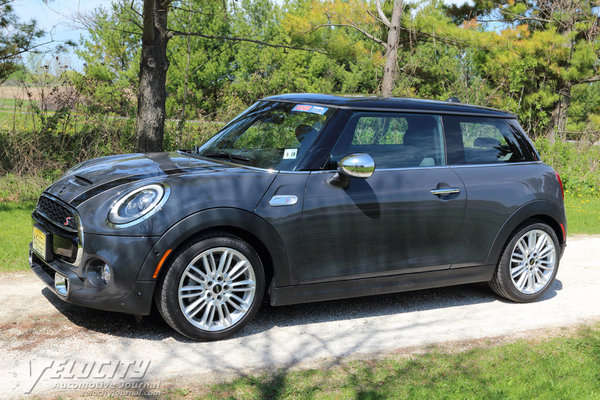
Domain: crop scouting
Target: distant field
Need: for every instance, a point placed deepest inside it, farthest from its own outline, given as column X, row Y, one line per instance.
column 19, row 92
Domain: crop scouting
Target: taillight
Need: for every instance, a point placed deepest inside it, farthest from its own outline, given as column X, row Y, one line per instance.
column 560, row 183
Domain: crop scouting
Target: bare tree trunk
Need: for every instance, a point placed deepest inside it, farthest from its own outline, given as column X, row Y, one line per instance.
column 154, row 64
column 391, row 51
column 182, row 115
column 558, row 118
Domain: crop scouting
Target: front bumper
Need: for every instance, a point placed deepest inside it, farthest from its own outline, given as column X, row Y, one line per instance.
column 136, row 300
column 78, row 256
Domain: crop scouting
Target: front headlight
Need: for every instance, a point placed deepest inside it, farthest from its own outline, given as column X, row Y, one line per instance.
column 137, row 205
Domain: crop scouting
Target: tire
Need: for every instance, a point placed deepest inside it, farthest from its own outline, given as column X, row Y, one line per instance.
column 528, row 265
column 212, row 288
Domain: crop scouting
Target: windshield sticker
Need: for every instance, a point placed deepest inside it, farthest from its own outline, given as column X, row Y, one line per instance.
column 310, row 109
column 290, row 154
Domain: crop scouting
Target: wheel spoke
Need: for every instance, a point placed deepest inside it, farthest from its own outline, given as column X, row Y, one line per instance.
column 197, row 275
column 539, row 277
column 206, row 264
column 521, row 282
column 222, row 262
column 196, row 306
column 521, row 245
column 236, row 269
column 546, row 251
column 541, row 243
column 228, row 263
column 245, row 306
column 518, row 270
column 227, row 314
column 222, row 319
column 191, row 288
column 530, row 282
column 517, row 258
column 205, row 316
column 243, row 283
column 531, row 240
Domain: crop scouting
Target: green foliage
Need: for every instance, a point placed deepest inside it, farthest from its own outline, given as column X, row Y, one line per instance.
column 111, row 55
column 15, row 38
column 577, row 163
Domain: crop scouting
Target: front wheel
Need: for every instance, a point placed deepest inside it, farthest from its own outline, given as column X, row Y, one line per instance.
column 528, row 265
column 212, row 288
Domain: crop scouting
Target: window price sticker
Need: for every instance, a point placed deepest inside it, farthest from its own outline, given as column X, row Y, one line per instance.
column 310, row 109
column 290, row 154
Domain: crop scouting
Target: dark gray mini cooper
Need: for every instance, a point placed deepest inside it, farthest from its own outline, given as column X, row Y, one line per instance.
column 305, row 198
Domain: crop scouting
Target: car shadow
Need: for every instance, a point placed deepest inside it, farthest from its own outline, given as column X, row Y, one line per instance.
column 152, row 327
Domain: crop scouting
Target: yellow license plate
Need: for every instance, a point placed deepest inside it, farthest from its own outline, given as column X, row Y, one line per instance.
column 39, row 242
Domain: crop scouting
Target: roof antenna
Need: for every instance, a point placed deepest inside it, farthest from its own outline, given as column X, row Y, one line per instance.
column 454, row 100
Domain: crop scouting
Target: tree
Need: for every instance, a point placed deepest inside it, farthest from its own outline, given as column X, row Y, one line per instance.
column 16, row 38
column 371, row 24
column 152, row 93
column 547, row 48
column 154, row 65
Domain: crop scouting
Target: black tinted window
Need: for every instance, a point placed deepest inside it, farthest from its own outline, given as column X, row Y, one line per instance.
column 393, row 140
column 473, row 140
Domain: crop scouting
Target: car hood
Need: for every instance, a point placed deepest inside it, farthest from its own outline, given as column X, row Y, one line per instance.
column 94, row 176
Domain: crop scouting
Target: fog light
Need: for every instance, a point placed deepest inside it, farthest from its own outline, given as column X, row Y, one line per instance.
column 61, row 284
column 105, row 273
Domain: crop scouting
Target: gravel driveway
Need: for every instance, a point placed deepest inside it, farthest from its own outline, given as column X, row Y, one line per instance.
column 47, row 344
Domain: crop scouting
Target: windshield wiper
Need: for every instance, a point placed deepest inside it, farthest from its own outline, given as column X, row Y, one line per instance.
column 224, row 154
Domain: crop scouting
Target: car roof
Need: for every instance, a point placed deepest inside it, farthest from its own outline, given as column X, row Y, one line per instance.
column 375, row 103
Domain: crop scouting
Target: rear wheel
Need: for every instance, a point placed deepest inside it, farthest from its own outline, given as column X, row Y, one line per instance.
column 528, row 265
column 213, row 287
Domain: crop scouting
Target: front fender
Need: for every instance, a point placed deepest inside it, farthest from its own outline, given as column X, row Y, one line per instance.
column 221, row 218
column 546, row 210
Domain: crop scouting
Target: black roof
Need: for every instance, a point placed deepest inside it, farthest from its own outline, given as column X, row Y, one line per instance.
column 390, row 104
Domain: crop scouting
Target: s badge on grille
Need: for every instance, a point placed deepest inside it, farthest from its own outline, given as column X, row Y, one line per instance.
column 67, row 220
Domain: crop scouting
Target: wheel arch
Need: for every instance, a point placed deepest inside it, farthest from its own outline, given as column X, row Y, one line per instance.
column 244, row 224
column 541, row 210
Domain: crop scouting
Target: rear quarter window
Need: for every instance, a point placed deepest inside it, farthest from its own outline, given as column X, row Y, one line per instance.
column 475, row 140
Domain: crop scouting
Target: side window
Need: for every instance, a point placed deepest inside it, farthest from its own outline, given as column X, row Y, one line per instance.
column 393, row 140
column 474, row 140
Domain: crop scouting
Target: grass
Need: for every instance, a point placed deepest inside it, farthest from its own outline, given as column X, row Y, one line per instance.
column 15, row 235
column 563, row 367
column 583, row 216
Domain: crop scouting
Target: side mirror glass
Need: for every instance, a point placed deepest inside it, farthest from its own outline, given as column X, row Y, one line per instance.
column 358, row 165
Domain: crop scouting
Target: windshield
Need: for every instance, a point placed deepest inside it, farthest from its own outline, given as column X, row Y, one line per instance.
column 269, row 135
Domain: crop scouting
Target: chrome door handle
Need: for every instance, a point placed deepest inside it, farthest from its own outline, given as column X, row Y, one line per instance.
column 444, row 191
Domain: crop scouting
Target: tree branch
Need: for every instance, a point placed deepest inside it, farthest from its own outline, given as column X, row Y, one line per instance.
column 382, row 16
column 365, row 33
column 241, row 39
column 24, row 50
column 591, row 79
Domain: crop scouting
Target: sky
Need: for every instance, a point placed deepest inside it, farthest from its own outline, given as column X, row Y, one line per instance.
column 56, row 18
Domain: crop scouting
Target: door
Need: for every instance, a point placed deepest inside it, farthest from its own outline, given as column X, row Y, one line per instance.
column 405, row 218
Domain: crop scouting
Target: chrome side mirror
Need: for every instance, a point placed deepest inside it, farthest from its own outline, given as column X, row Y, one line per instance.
column 358, row 165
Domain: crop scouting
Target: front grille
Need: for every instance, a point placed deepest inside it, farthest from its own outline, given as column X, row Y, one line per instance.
column 56, row 213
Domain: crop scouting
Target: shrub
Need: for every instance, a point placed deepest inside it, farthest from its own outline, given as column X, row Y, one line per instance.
column 578, row 164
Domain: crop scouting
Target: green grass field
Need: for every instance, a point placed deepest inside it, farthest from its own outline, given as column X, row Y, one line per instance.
column 563, row 367
column 15, row 235
column 583, row 216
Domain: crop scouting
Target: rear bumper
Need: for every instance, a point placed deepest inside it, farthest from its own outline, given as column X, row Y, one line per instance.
column 137, row 299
